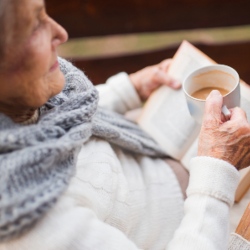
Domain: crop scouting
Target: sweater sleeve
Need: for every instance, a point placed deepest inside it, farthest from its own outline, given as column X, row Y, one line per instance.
column 118, row 94
column 210, row 194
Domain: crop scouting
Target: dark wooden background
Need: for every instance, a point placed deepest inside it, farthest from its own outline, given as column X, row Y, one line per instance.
column 84, row 18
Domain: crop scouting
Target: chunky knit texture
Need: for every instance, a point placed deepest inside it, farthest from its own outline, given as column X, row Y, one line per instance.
column 238, row 243
column 37, row 161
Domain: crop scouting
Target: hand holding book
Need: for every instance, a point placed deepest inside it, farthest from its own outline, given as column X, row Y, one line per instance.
column 152, row 77
column 165, row 115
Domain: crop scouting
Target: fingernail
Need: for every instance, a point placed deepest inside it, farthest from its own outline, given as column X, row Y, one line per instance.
column 214, row 93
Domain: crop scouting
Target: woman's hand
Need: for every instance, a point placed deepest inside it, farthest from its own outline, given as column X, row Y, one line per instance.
column 229, row 140
column 148, row 79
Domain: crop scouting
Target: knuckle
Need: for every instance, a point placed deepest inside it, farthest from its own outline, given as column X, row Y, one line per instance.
column 155, row 70
column 211, row 102
column 156, row 74
column 209, row 121
column 244, row 128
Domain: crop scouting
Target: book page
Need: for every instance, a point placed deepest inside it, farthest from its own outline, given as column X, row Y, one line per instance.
column 244, row 183
column 165, row 115
column 187, row 59
column 245, row 98
column 169, row 122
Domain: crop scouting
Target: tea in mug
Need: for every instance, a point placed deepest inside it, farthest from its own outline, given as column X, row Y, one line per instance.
column 203, row 93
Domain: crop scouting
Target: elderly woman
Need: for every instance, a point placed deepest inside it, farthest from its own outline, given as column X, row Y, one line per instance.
column 75, row 176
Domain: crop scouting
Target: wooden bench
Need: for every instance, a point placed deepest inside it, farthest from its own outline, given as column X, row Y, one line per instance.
column 83, row 18
column 243, row 227
column 241, row 238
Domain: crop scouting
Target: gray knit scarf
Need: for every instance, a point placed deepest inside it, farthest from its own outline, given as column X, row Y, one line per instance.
column 37, row 161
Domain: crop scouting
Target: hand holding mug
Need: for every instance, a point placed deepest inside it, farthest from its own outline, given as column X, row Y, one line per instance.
column 201, row 82
column 230, row 140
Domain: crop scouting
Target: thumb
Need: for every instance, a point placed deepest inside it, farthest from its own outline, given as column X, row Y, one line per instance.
column 213, row 106
column 165, row 64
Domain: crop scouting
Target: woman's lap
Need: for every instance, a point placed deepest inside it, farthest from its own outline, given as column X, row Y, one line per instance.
column 181, row 174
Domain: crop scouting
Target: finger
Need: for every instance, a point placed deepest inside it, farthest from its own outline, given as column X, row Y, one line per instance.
column 165, row 79
column 213, row 106
column 164, row 65
column 238, row 114
column 223, row 118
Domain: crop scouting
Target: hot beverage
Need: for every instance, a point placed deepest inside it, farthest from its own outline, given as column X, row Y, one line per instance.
column 203, row 93
column 202, row 81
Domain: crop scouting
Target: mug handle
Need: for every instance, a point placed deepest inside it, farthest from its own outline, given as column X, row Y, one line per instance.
column 225, row 111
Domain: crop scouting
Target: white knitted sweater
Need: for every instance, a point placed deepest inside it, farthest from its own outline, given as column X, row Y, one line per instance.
column 118, row 201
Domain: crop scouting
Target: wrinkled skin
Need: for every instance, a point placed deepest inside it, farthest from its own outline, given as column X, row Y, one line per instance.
column 226, row 140
column 29, row 72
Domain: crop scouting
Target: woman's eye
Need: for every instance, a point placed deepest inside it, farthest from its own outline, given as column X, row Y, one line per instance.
column 40, row 21
column 37, row 25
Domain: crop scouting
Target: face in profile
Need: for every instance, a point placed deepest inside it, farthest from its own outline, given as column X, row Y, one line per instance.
column 30, row 74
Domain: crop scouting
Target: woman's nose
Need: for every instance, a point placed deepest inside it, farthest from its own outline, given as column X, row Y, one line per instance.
column 59, row 34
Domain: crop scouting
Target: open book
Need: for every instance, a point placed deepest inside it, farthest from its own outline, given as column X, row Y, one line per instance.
column 166, row 118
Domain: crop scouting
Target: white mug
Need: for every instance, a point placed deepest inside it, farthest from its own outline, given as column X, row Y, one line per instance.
column 213, row 76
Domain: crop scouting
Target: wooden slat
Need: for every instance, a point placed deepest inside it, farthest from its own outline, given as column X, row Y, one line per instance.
column 99, row 69
column 243, row 228
column 243, row 186
column 99, row 17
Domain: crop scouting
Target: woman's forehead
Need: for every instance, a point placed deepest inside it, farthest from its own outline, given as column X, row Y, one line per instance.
column 27, row 4
column 24, row 11
column 20, row 16
column 23, row 7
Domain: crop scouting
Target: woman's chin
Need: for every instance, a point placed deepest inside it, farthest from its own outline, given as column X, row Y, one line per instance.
column 57, row 84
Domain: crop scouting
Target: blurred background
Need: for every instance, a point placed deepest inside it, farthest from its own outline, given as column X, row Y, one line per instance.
column 110, row 36
column 125, row 44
